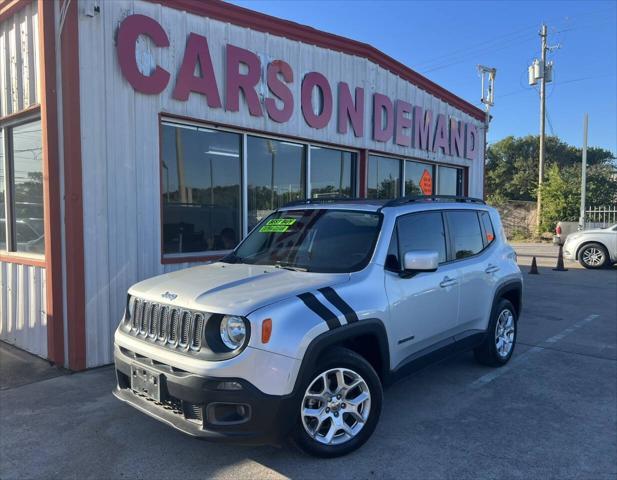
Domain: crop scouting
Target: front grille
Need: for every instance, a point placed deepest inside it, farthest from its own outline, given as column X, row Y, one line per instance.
column 173, row 326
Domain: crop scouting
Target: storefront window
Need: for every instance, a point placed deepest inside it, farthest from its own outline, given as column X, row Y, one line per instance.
column 384, row 177
column 28, row 188
column 450, row 181
column 275, row 176
column 201, row 172
column 21, row 221
column 332, row 173
column 419, row 178
column 2, row 198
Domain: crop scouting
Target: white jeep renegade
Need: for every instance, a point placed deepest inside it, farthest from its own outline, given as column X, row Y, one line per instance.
column 294, row 334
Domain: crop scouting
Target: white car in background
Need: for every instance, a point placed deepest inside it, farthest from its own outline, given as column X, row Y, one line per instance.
column 595, row 248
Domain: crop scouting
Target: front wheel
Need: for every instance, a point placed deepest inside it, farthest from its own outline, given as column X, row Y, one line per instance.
column 340, row 406
column 593, row 255
column 497, row 347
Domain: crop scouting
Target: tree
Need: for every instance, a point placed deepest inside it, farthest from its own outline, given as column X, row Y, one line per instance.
column 512, row 165
column 561, row 191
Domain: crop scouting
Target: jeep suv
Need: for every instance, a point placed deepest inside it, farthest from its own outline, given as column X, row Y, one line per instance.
column 294, row 334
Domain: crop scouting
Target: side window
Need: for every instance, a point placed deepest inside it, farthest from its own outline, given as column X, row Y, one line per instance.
column 466, row 233
column 489, row 233
column 392, row 261
column 423, row 231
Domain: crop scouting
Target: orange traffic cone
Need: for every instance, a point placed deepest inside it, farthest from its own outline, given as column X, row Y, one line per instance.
column 534, row 267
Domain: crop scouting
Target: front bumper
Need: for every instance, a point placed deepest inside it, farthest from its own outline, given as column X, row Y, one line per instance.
column 193, row 403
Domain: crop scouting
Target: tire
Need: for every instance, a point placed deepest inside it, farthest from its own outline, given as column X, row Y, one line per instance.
column 498, row 346
column 310, row 432
column 593, row 256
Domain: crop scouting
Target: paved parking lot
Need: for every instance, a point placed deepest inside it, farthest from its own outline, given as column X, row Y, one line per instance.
column 551, row 413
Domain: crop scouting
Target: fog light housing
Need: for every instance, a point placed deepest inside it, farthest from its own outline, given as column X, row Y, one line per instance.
column 228, row 413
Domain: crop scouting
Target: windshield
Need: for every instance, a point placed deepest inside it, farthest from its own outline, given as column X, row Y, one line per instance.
column 315, row 240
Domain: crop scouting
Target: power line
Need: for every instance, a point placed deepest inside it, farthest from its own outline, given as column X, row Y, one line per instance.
column 563, row 82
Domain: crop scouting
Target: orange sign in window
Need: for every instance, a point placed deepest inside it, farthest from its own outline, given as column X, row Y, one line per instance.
column 426, row 183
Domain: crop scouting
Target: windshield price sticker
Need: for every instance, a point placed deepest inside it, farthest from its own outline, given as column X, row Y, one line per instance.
column 277, row 225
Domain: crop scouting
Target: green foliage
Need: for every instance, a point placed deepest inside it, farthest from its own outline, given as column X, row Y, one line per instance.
column 561, row 192
column 512, row 174
column 512, row 164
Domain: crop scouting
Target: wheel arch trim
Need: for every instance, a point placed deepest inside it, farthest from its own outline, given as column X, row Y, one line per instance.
column 339, row 336
column 510, row 286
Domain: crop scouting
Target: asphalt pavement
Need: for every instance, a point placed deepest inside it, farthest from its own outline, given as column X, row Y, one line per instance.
column 550, row 413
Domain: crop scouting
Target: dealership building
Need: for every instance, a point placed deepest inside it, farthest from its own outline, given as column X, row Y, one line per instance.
column 139, row 137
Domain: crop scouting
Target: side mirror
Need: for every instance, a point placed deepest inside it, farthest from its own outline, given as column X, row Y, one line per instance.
column 416, row 261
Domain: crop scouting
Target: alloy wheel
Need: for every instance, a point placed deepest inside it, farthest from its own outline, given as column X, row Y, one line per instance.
column 593, row 256
column 504, row 333
column 336, row 406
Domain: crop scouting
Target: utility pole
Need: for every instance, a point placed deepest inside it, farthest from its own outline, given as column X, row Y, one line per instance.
column 543, row 71
column 543, row 35
column 581, row 220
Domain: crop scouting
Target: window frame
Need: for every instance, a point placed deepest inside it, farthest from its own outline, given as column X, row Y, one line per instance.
column 7, row 125
column 207, row 255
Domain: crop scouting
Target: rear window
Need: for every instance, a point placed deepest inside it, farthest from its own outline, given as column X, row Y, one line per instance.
column 466, row 233
column 489, row 233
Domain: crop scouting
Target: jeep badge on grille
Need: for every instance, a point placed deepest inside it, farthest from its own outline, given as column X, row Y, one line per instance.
column 169, row 296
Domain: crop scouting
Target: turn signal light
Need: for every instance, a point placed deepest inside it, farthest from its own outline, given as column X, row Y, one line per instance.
column 266, row 330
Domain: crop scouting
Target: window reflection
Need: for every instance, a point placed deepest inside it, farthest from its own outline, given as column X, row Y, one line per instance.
column 276, row 176
column 201, row 189
column 27, row 183
column 450, row 181
column 332, row 173
column 384, row 177
column 419, row 178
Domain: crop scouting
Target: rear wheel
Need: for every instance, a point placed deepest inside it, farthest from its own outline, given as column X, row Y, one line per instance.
column 340, row 406
column 496, row 349
column 593, row 255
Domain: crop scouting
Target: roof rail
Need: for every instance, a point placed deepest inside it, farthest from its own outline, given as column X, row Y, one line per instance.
column 320, row 201
column 432, row 198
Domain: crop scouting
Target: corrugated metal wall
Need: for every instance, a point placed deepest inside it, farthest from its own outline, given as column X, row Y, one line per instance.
column 19, row 78
column 23, row 318
column 120, row 152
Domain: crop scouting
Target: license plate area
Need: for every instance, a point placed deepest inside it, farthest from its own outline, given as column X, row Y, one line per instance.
column 146, row 382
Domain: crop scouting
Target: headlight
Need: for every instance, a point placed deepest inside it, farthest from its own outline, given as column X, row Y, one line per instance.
column 233, row 331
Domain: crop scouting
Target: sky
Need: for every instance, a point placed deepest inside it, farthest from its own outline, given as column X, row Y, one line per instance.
column 445, row 41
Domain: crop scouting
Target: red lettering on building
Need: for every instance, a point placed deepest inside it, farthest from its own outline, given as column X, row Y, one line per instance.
column 279, row 88
column 245, row 82
column 321, row 119
column 382, row 110
column 197, row 55
column 347, row 108
column 129, row 31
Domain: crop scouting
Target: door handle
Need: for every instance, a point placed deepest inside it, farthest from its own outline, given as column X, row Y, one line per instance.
column 491, row 268
column 447, row 282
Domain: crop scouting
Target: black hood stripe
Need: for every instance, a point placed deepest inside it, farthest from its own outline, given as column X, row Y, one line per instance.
column 320, row 309
column 335, row 299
